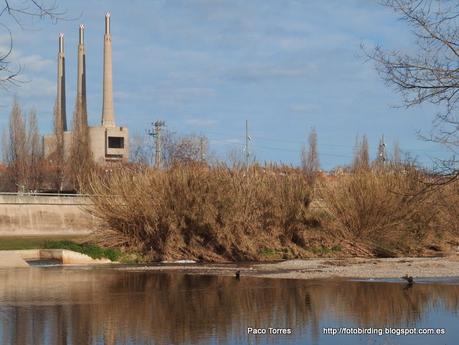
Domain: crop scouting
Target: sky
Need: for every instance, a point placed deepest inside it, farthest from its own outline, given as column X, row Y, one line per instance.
column 207, row 66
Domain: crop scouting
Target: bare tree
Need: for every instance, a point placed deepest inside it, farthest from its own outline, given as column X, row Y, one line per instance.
column 5, row 145
column 361, row 155
column 18, row 11
column 184, row 149
column 397, row 154
column 22, row 150
column 81, row 159
column 56, row 159
column 35, row 152
column 17, row 147
column 6, row 183
column 310, row 157
column 140, row 149
column 429, row 75
column 236, row 157
column 175, row 149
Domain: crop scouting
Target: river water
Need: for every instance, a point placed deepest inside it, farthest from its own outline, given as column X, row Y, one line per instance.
column 108, row 306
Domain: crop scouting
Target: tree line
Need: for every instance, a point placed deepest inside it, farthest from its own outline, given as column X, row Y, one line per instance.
column 22, row 151
column 27, row 169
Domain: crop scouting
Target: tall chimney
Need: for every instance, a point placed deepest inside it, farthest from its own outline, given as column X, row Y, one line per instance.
column 108, row 113
column 81, row 80
column 60, row 115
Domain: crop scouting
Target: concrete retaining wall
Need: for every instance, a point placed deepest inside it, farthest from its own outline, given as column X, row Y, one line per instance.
column 17, row 258
column 30, row 215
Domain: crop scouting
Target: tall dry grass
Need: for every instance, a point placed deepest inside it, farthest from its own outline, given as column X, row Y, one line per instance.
column 204, row 213
column 392, row 211
column 221, row 213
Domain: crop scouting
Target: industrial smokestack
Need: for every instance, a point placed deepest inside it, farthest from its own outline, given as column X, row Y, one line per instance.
column 81, row 41
column 81, row 110
column 108, row 113
column 60, row 115
column 61, row 44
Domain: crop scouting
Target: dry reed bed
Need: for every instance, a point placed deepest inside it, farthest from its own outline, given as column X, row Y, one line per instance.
column 204, row 213
column 393, row 212
column 221, row 213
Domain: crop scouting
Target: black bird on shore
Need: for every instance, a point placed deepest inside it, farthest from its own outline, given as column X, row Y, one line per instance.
column 409, row 279
column 238, row 275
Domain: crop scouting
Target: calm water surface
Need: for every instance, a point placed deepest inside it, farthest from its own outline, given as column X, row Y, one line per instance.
column 106, row 306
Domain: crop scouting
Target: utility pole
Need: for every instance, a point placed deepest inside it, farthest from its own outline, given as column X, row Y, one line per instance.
column 156, row 133
column 382, row 151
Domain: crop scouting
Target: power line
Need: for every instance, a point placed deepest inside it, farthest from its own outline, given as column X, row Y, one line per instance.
column 300, row 141
column 297, row 151
column 264, row 138
column 219, row 139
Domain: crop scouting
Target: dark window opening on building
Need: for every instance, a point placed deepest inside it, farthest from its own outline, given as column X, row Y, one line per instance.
column 115, row 142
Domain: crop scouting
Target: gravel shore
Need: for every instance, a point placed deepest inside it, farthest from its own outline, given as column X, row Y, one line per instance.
column 362, row 268
column 326, row 268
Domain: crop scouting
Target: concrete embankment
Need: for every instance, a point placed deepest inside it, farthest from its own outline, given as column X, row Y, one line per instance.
column 19, row 258
column 37, row 215
column 11, row 259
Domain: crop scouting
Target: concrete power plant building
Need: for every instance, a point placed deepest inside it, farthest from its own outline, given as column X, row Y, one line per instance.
column 108, row 143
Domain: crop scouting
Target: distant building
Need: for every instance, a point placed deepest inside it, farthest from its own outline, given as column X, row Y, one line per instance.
column 108, row 142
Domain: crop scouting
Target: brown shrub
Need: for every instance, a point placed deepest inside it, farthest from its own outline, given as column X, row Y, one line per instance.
column 220, row 213
column 392, row 211
column 201, row 212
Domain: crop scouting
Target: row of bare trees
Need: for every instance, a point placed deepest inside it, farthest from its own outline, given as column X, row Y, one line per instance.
column 27, row 169
column 22, row 151
column 362, row 160
column 310, row 162
column 183, row 149
column 175, row 149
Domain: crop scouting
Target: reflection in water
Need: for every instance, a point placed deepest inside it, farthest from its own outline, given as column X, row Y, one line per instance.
column 75, row 306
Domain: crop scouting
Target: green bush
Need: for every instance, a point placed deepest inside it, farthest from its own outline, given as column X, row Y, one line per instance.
column 91, row 250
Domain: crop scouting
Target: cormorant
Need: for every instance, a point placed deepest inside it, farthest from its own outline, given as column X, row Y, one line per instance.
column 238, row 275
column 409, row 279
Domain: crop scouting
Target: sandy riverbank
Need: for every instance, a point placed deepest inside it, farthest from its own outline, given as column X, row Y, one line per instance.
column 327, row 268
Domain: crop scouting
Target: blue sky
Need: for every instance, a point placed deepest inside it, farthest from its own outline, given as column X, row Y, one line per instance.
column 205, row 66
